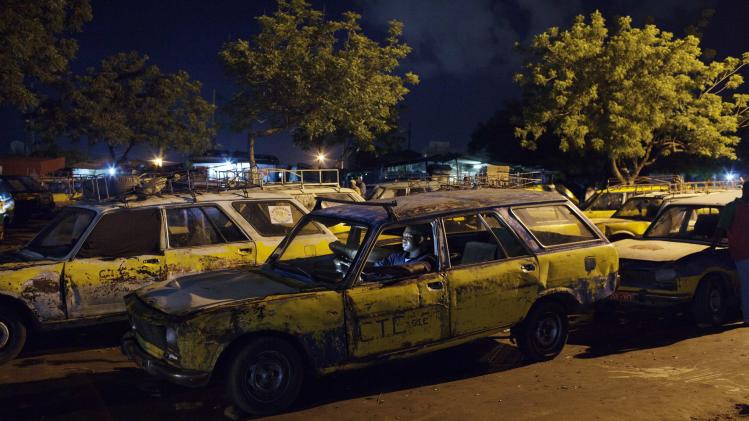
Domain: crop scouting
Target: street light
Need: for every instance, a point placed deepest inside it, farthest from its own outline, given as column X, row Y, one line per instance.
column 321, row 158
column 158, row 162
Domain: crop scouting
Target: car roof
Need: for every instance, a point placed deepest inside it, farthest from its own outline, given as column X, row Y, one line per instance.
column 717, row 198
column 183, row 198
column 439, row 202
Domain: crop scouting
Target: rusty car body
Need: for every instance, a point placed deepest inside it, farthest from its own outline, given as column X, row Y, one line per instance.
column 502, row 259
column 672, row 264
column 79, row 267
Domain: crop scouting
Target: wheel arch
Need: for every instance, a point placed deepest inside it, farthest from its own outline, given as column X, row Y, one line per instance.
column 224, row 359
column 563, row 296
column 27, row 316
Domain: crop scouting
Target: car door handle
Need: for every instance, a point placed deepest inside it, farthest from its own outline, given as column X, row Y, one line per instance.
column 245, row 250
column 435, row 285
column 151, row 261
column 527, row 267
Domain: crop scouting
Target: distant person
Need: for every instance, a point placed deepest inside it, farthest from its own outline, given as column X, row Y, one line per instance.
column 362, row 186
column 734, row 221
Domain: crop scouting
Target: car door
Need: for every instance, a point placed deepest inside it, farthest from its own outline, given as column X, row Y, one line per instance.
column 569, row 253
column 492, row 278
column 394, row 308
column 121, row 254
column 203, row 238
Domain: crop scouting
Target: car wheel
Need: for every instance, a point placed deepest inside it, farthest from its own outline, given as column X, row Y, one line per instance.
column 543, row 333
column 265, row 376
column 12, row 335
column 710, row 302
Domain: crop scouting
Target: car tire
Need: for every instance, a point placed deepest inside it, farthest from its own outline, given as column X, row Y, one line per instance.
column 12, row 335
column 543, row 333
column 710, row 304
column 265, row 376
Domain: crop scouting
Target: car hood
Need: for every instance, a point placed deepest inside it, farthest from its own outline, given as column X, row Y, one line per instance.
column 656, row 250
column 183, row 295
column 22, row 259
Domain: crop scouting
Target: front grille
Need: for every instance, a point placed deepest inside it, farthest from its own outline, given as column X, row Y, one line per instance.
column 644, row 279
column 152, row 333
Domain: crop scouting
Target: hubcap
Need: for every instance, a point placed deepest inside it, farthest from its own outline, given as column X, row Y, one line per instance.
column 267, row 376
column 547, row 331
column 4, row 334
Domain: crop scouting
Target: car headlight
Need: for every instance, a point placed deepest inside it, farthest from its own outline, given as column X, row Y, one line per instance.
column 171, row 337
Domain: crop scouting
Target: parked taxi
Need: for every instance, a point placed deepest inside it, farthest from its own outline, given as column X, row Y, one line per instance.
column 497, row 259
column 672, row 266
column 79, row 267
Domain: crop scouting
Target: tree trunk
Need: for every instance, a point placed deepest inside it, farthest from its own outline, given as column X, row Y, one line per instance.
column 615, row 170
column 124, row 154
column 251, row 144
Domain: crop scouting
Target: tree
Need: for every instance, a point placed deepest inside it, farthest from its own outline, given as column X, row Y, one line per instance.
column 125, row 103
column 36, row 48
column 305, row 72
column 635, row 95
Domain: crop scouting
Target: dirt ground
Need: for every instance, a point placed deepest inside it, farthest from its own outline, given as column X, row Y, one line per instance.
column 643, row 368
column 637, row 367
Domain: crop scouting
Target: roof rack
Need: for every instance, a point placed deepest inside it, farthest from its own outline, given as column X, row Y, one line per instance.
column 388, row 206
column 127, row 187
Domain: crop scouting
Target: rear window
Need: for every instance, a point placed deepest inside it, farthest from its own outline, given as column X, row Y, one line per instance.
column 554, row 225
column 272, row 218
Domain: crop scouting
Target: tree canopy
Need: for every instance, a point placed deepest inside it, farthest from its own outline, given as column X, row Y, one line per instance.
column 305, row 72
column 126, row 102
column 635, row 94
column 36, row 46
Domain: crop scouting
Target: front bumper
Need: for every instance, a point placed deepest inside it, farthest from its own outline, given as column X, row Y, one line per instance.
column 158, row 368
column 643, row 298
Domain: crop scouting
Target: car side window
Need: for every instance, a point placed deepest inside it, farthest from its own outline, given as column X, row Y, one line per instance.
column 511, row 244
column 274, row 218
column 554, row 225
column 473, row 239
column 190, row 227
column 124, row 233
column 607, row 201
column 226, row 227
column 401, row 252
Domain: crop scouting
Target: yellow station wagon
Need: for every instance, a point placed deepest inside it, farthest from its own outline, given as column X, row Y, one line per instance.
column 79, row 267
column 493, row 259
column 672, row 266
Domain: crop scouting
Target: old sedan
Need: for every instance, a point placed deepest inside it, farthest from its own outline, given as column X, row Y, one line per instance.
column 402, row 279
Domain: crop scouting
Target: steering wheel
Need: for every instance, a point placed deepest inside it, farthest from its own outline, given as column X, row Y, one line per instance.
column 344, row 256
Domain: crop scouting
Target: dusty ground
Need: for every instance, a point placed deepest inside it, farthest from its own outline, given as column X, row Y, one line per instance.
column 639, row 367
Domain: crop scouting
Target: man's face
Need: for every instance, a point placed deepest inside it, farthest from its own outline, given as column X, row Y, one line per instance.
column 411, row 240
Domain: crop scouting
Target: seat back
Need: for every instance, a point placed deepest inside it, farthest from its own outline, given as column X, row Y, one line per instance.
column 477, row 252
column 705, row 224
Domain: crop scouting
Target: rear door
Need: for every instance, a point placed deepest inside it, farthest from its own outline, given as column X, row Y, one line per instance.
column 121, row 254
column 492, row 278
column 202, row 238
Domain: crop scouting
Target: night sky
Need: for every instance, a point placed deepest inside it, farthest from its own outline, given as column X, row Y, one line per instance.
column 462, row 50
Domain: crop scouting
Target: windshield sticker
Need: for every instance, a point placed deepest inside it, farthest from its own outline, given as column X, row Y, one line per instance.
column 280, row 215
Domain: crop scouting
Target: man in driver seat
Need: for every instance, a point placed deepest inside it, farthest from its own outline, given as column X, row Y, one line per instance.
column 417, row 251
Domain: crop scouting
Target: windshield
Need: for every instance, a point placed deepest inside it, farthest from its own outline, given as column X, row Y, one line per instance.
column 61, row 235
column 692, row 223
column 639, row 208
column 328, row 260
